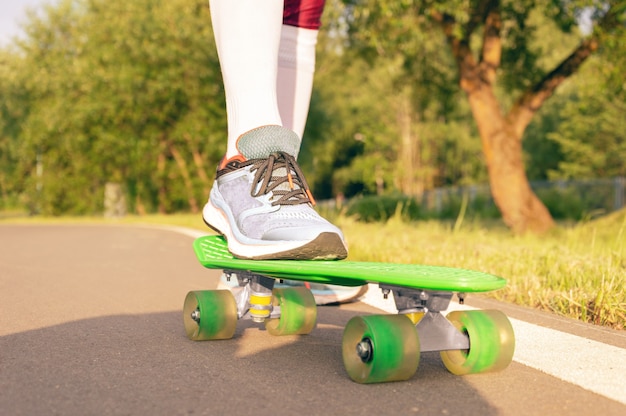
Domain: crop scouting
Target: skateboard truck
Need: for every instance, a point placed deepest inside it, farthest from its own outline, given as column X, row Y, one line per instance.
column 254, row 300
column 424, row 308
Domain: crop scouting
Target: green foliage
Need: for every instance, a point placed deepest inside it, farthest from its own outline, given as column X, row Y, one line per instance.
column 480, row 206
column 580, row 200
column 11, row 111
column 382, row 208
column 396, row 120
column 592, row 134
column 131, row 92
column 436, row 205
column 401, row 38
column 563, row 204
column 119, row 91
column 579, row 132
column 543, row 155
column 567, row 200
column 576, row 271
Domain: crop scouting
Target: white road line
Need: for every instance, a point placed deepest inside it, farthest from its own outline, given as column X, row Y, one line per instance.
column 592, row 365
column 182, row 230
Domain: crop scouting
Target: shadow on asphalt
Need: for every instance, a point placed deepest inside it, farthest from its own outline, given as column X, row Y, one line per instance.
column 144, row 364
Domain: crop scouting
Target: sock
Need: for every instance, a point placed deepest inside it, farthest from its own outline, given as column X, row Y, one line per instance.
column 247, row 35
column 296, row 67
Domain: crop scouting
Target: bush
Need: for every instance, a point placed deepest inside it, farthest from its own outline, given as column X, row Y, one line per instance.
column 564, row 203
column 374, row 208
column 479, row 207
column 381, row 208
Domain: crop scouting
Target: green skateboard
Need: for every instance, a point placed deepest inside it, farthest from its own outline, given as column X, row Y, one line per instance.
column 375, row 348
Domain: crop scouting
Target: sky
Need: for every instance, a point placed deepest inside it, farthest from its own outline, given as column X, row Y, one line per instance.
column 12, row 13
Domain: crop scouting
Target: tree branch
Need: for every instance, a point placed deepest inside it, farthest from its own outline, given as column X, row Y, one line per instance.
column 460, row 51
column 473, row 74
column 531, row 101
column 491, row 52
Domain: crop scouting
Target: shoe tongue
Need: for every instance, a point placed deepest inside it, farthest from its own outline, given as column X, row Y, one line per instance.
column 263, row 141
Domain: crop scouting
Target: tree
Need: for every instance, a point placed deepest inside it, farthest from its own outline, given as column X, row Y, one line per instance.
column 386, row 119
column 128, row 92
column 488, row 40
column 592, row 134
column 12, row 109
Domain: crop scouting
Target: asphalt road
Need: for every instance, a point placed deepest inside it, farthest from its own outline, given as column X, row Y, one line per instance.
column 91, row 324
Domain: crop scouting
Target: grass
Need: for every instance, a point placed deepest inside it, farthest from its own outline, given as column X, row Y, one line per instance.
column 577, row 271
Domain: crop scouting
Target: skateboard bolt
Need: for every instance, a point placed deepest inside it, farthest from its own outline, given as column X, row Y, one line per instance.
column 195, row 315
column 461, row 298
column 364, row 350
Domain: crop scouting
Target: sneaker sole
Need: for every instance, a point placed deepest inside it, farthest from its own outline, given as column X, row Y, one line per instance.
column 326, row 246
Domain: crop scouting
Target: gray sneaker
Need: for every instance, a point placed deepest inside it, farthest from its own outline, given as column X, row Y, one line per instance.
column 262, row 204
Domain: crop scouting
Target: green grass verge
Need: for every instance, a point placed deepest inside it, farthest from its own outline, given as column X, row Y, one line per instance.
column 577, row 271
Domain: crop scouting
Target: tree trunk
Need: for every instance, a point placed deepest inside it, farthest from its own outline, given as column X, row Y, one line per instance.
column 162, row 192
column 114, row 200
column 520, row 208
column 501, row 135
column 184, row 172
column 198, row 160
column 410, row 182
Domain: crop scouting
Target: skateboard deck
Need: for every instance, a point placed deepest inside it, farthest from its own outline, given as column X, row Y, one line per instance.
column 212, row 252
column 375, row 348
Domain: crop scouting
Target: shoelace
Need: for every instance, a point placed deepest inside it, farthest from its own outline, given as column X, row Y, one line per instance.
column 290, row 187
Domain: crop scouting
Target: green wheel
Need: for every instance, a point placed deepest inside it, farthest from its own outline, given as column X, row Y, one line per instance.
column 492, row 342
column 210, row 314
column 380, row 348
column 298, row 312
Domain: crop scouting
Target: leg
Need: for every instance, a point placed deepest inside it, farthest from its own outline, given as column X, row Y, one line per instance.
column 296, row 61
column 260, row 200
column 247, row 35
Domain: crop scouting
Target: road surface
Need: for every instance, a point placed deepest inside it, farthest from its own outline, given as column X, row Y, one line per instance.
column 91, row 324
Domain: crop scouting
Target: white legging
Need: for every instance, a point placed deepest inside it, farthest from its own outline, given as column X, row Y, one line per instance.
column 267, row 66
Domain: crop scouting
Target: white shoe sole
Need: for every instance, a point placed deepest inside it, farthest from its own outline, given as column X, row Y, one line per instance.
column 327, row 246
